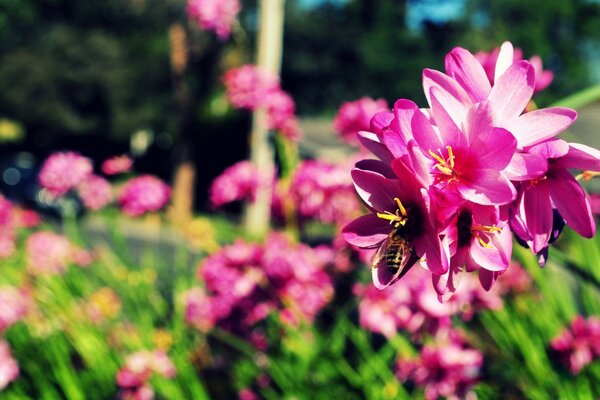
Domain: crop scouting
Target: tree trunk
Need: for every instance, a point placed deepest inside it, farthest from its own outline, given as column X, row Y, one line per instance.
column 269, row 49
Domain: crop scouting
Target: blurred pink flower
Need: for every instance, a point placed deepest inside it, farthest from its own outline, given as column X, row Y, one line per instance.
column 325, row 192
column 245, row 282
column 579, row 344
column 62, row 172
column 137, row 371
column 355, row 116
column 446, row 368
column 95, row 192
column 8, row 225
column 28, row 218
column 237, row 183
column 14, row 305
column 199, row 311
column 249, row 87
column 543, row 78
column 281, row 114
column 514, row 280
column 48, row 253
column 117, row 165
column 214, row 15
column 9, row 369
column 143, row 194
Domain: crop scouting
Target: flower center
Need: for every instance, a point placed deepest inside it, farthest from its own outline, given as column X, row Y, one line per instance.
column 467, row 230
column 484, row 234
column 444, row 165
column 397, row 219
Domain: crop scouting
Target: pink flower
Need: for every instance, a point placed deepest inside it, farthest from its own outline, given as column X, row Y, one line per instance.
column 281, row 114
column 533, row 216
column 214, row 15
column 578, row 345
column 9, row 369
column 138, row 369
column 447, row 368
column 48, row 253
column 249, row 87
column 467, row 84
column 62, row 172
column 400, row 213
column 199, row 311
column 543, row 78
column 355, row 116
column 468, row 159
column 244, row 283
column 95, row 192
column 14, row 305
column 323, row 191
column 143, row 194
column 117, row 165
column 480, row 239
column 237, row 183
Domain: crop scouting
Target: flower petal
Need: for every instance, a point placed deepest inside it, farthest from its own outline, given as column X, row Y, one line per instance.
column 536, row 212
column 487, row 187
column 372, row 142
column 580, row 156
column 450, row 134
column 538, row 125
column 572, row 203
column 468, row 72
column 505, row 59
column 495, row 257
column 453, row 97
column 525, row 166
column 512, row 91
column 367, row 231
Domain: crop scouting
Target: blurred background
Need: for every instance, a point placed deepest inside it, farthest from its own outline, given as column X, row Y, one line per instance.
column 101, row 76
column 142, row 276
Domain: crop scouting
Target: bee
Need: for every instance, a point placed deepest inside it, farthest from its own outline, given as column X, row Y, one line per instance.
column 395, row 254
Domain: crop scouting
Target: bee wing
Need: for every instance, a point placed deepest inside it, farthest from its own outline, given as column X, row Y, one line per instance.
column 384, row 275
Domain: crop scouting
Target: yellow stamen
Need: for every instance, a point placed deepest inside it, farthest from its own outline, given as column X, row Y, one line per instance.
column 400, row 207
column 587, row 175
column 486, row 228
column 444, row 165
column 397, row 219
column 483, row 243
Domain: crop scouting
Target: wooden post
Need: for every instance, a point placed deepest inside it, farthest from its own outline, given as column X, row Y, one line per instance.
column 269, row 49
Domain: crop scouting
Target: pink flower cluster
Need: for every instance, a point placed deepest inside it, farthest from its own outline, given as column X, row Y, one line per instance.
column 579, row 344
column 355, row 116
column 214, row 15
column 117, row 165
column 244, row 283
column 143, row 194
column 9, row 369
column 14, row 305
column 95, row 192
column 543, row 78
column 454, row 181
column 66, row 171
column 62, row 172
column 8, row 231
column 237, row 183
column 413, row 305
column 447, row 368
column 133, row 378
column 323, row 191
column 50, row 253
column 250, row 88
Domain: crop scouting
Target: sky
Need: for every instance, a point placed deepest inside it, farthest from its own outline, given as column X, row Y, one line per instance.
column 418, row 10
